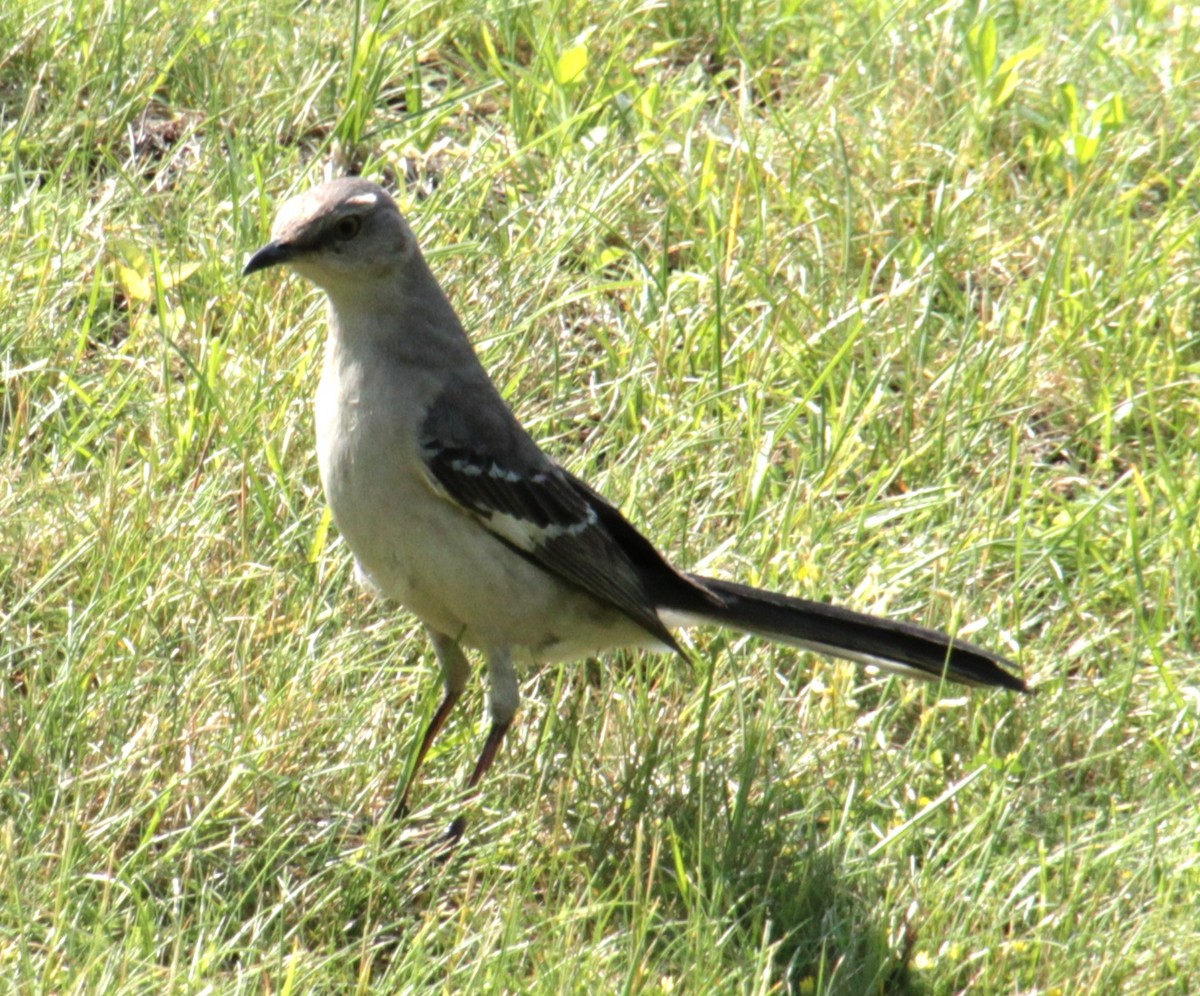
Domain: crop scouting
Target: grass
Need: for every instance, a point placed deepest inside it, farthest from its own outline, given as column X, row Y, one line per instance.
column 889, row 304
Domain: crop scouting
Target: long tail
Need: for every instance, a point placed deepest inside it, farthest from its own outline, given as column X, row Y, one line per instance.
column 830, row 629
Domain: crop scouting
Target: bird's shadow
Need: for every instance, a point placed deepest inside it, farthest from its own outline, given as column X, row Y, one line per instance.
column 738, row 828
column 767, row 874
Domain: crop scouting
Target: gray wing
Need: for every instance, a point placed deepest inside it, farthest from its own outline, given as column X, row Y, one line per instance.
column 478, row 457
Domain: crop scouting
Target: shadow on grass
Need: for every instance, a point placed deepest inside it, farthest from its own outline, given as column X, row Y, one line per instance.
column 765, row 875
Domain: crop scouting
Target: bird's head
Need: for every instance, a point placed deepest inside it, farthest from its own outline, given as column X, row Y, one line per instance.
column 339, row 235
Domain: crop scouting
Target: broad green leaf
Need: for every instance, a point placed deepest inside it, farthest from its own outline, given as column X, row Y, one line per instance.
column 572, row 64
column 981, row 45
column 133, row 283
column 171, row 275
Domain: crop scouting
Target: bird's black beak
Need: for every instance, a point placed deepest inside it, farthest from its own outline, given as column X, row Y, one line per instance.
column 272, row 254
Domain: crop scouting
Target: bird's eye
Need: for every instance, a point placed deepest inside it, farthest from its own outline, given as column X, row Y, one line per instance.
column 347, row 227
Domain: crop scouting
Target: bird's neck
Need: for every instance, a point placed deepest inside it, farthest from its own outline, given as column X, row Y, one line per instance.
column 373, row 324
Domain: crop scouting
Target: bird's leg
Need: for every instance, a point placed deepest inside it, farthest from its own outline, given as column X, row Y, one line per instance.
column 503, row 698
column 449, row 701
column 455, row 671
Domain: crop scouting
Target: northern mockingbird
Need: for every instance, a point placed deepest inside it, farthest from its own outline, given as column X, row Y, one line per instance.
column 451, row 509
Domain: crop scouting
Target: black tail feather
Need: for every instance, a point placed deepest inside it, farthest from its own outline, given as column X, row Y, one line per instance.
column 856, row 636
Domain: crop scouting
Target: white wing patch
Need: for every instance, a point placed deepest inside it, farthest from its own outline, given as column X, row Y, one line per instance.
column 471, row 469
column 520, row 531
column 529, row 536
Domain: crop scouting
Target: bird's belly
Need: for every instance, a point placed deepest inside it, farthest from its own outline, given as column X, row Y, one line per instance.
column 441, row 563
